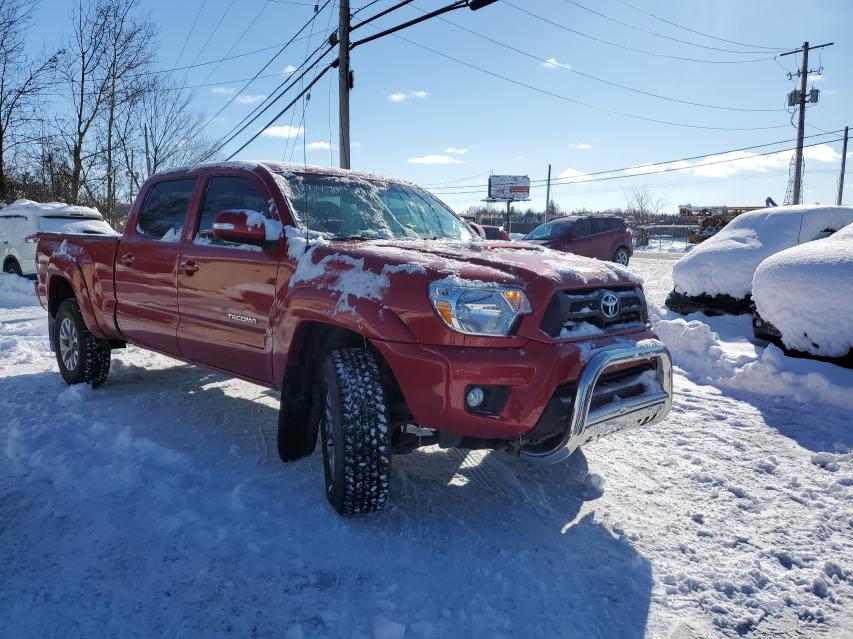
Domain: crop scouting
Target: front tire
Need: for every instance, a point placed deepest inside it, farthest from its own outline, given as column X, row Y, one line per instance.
column 621, row 256
column 82, row 357
column 12, row 267
column 354, row 428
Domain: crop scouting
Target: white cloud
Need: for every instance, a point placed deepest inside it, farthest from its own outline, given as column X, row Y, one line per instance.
column 250, row 99
column 435, row 159
column 322, row 145
column 402, row 96
column 223, row 90
column 288, row 69
column 580, row 146
column 815, row 77
column 457, row 151
column 727, row 164
column 285, row 131
column 574, row 176
column 553, row 63
column 822, row 153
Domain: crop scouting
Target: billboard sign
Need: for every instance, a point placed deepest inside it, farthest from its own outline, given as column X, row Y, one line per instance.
column 509, row 188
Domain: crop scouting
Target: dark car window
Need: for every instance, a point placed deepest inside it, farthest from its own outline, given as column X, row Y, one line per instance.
column 493, row 233
column 581, row 228
column 548, row 231
column 601, row 225
column 165, row 210
column 229, row 193
column 614, row 223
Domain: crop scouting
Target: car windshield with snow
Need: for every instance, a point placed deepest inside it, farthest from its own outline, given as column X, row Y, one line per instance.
column 716, row 276
column 363, row 208
column 418, row 333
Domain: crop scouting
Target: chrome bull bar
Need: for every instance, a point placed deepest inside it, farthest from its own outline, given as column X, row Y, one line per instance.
column 586, row 425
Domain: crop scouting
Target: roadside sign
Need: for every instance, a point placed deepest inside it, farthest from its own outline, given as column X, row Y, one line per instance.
column 509, row 188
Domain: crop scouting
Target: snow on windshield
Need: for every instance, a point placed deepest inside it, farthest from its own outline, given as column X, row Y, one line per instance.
column 352, row 206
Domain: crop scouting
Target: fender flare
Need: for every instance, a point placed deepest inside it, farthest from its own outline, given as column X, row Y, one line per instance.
column 66, row 268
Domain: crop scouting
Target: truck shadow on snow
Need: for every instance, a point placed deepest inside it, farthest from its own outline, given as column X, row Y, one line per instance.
column 471, row 543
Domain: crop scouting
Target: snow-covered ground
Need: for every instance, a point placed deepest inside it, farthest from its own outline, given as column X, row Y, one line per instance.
column 156, row 506
column 661, row 244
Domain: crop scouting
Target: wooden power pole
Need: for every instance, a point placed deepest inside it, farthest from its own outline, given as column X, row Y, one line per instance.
column 802, row 98
column 843, row 166
column 344, row 84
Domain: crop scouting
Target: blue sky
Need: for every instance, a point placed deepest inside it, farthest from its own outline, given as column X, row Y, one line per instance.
column 421, row 116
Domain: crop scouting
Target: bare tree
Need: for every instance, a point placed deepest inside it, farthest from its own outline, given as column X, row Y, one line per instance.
column 129, row 41
column 642, row 206
column 162, row 131
column 21, row 81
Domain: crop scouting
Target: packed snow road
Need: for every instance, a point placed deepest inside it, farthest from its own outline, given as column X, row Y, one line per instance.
column 157, row 506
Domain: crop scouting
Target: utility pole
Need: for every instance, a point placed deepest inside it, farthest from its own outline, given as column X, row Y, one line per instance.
column 508, row 210
column 344, row 84
column 548, row 194
column 801, row 99
column 843, row 166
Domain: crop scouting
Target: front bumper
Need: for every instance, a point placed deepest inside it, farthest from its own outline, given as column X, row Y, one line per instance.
column 435, row 379
column 649, row 398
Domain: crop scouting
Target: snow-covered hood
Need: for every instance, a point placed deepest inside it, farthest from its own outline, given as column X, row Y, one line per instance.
column 399, row 272
column 807, row 293
column 725, row 263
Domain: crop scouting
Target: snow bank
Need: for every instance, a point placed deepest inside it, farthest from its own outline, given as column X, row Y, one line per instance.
column 807, row 293
column 725, row 263
column 699, row 351
column 16, row 292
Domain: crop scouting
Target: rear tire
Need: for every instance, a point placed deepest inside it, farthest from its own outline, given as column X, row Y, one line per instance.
column 12, row 267
column 82, row 357
column 621, row 256
column 354, row 426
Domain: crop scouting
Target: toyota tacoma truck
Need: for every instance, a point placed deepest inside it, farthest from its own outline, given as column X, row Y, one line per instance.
column 381, row 318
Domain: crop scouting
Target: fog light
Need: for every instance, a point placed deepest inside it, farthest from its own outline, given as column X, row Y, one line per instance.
column 475, row 397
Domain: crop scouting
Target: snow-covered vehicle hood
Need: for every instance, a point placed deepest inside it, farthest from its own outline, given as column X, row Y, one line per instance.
column 807, row 293
column 725, row 263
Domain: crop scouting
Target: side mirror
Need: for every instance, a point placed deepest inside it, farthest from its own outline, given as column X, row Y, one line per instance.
column 235, row 226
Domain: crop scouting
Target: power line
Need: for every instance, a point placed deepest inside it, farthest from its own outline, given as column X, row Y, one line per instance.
column 580, row 102
column 269, row 62
column 212, row 33
column 706, row 35
column 239, row 38
column 627, row 48
column 189, row 34
column 470, row 177
column 596, row 78
column 655, row 33
column 539, row 183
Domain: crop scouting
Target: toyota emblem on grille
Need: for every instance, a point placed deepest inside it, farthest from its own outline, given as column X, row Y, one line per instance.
column 610, row 305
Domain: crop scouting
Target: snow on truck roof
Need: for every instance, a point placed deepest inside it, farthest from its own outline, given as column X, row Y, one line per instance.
column 725, row 263
column 49, row 209
column 289, row 168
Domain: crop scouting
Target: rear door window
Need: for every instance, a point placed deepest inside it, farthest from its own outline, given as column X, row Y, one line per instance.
column 165, row 210
column 600, row 225
column 581, row 228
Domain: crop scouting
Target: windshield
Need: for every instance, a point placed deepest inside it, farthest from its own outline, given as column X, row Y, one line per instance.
column 548, row 231
column 350, row 207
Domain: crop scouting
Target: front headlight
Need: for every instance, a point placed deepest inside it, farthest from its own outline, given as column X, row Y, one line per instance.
column 479, row 310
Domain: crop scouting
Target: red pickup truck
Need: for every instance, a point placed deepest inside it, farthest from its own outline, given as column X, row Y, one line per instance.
column 383, row 321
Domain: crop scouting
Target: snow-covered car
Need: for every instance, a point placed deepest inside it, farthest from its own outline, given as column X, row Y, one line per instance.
column 23, row 218
column 716, row 276
column 803, row 297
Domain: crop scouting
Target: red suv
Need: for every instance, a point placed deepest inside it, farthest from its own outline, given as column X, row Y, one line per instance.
column 606, row 238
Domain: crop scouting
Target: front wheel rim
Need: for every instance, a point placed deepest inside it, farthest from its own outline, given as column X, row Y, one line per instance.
column 622, row 257
column 68, row 344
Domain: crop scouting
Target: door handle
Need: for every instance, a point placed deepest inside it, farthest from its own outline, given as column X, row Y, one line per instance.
column 189, row 266
column 127, row 258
